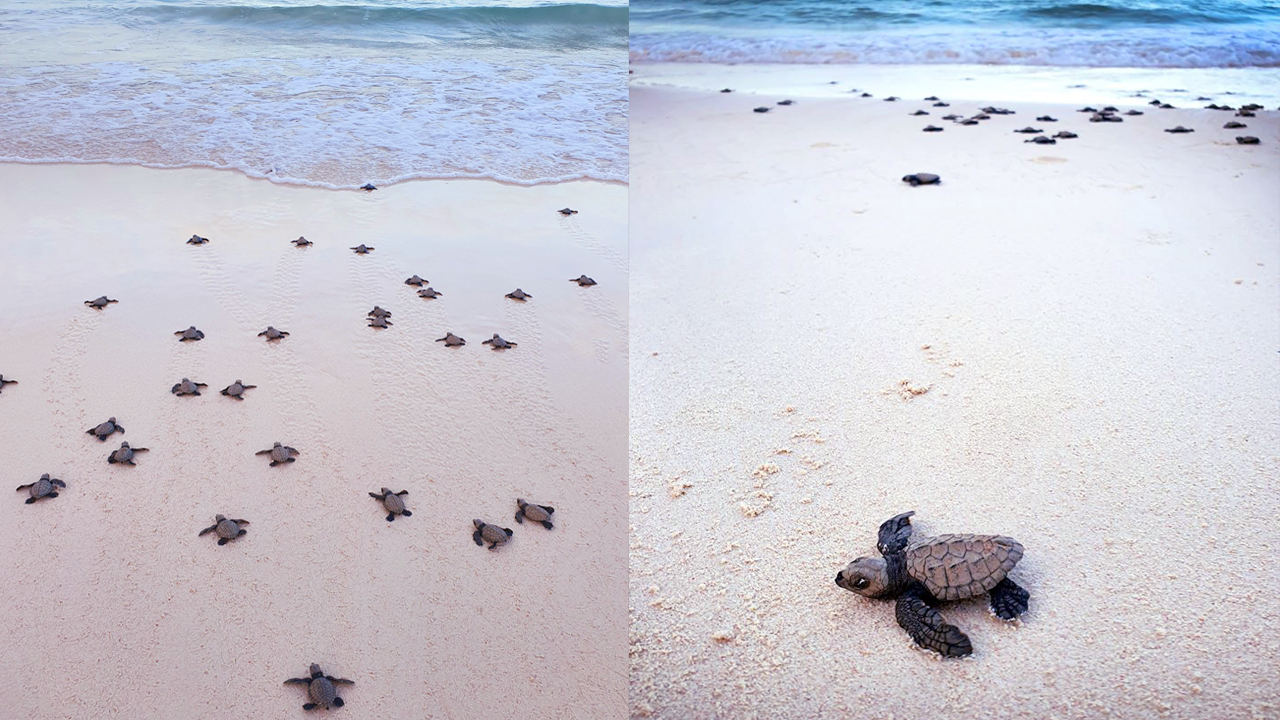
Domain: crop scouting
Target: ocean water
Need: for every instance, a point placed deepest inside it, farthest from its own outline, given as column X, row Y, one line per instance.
column 1060, row 33
column 333, row 95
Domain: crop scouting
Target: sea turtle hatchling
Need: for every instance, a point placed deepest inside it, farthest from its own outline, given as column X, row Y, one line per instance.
column 918, row 113
column 378, row 311
column 124, row 455
column 1041, row 140
column 190, row 333
column 429, row 293
column 273, row 334
column 45, row 487
column 363, row 249
column 197, row 240
column 932, row 128
column 369, row 187
column 1248, row 140
column 417, row 281
column 583, row 281
column 380, row 322
column 518, row 294
column 498, row 343
column 236, row 390
column 1028, row 130
column 451, row 340
column 1233, row 125
column 1066, row 135
column 922, row 179
column 104, row 430
column 392, row 502
column 4, row 382
column 186, row 387
column 301, row 242
column 922, row 572
column 280, row 454
column 492, row 534
column 320, row 689
column 567, row 211
column 1179, row 130
column 760, row 109
column 226, row 529
column 1046, row 118
column 99, row 302
column 537, row 513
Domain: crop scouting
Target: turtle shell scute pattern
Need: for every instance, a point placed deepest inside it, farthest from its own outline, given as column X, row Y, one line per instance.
column 955, row 567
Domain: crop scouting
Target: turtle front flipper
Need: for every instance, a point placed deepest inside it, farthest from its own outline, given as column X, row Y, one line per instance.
column 1008, row 600
column 894, row 533
column 474, row 536
column 927, row 627
column 547, row 524
column 295, row 681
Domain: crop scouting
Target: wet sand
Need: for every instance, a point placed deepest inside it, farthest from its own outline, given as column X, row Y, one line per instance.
column 117, row 609
column 1074, row 345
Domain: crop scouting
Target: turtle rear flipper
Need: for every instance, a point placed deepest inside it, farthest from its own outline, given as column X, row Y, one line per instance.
column 337, row 702
column 58, row 482
column 30, row 500
column 391, row 517
column 1008, row 600
column 895, row 532
column 222, row 541
column 548, row 508
column 25, row 487
column 520, row 516
column 309, row 706
column 406, row 513
column 927, row 627
column 547, row 524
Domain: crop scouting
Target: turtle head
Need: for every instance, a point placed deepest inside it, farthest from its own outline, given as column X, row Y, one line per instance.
column 387, row 491
column 521, row 502
column 865, row 576
column 316, row 671
column 111, row 419
column 45, row 476
column 478, row 523
column 219, row 518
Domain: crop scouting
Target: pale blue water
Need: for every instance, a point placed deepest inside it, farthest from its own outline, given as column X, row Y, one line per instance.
column 328, row 94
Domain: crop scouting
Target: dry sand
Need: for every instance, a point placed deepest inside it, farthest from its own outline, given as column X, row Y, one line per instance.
column 1075, row 345
column 115, row 608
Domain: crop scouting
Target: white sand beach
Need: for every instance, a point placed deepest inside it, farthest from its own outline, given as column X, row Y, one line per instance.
column 115, row 608
column 1074, row 345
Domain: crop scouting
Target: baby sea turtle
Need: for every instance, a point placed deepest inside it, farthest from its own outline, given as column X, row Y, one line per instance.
column 932, row 128
column 968, row 121
column 1089, row 109
column 4, row 382
column 186, row 387
column 429, row 293
column 952, row 116
column 1248, row 140
column 1046, row 118
column 197, row 240
column 236, row 390
column 320, row 689
column 583, row 281
column 867, row 94
column 363, row 249
column 1041, row 140
column 1066, row 135
column 1215, row 106
column 1133, row 113
column 892, row 98
column 378, row 311
column 227, row 529
column 380, row 322
column 280, row 454
column 1166, row 106
column 1179, row 130
column 921, row 572
column 1105, row 117
column 417, row 281
column 786, row 102
column 941, row 104
column 190, row 333
column 760, row 110
column 931, row 98
column 498, row 343
column 567, row 211
column 492, row 534
column 124, row 455
column 42, row 488
column 922, row 179
column 368, row 186
column 981, row 116
column 919, row 112
column 301, row 242
column 536, row 513
column 518, row 294
column 1029, row 130
column 104, row 430
column 727, row 90
column 1246, row 113
column 273, row 334
column 1233, row 125
column 1110, row 109
column 99, row 303
column 451, row 340
column 392, row 502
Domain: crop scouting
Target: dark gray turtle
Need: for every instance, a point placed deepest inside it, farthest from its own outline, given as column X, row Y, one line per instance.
column 186, row 387
column 922, row 179
column 363, row 249
column 301, row 242
column 919, row 113
column 1110, row 109
column 498, row 343
column 452, row 340
column 45, row 487
column 1041, row 140
column 417, row 281
column 197, row 240
column 368, row 186
column 1133, row 113
column 1089, row 109
column 190, row 333
column 280, row 454
column 1179, row 130
column 786, row 102
column 968, row 121
column 1029, row 130
column 583, row 281
column 892, row 98
column 236, row 390
column 320, row 688
column 429, row 293
column 1246, row 113
column 104, row 430
column 867, row 94
column 1105, row 117
column 1215, row 106
column 1251, row 107
column 226, row 529
column 1154, row 102
column 1166, row 106
column 998, row 111
column 952, row 116
column 567, row 211
column 124, row 455
column 1233, row 125
column 273, row 334
column 537, row 513
column 1248, row 140
column 4, row 382
column 1066, row 135
column 932, row 128
column 941, row 104
column 922, row 572
column 1046, row 118
column 981, row 116
column 492, row 534
column 727, row 90
column 392, row 502
column 760, row 110
column 518, row 294
column 380, row 322
column 379, row 312
column 99, row 302
column 931, row 98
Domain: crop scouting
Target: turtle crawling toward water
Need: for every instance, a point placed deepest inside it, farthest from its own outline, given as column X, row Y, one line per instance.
column 451, row 340
column 567, row 211
column 1042, row 140
column 380, row 322
column 236, row 390
column 583, row 281
column 273, row 334
column 922, row 179
column 1248, row 140
column 320, row 689
column 537, row 513
column 226, row 529
column 102, row 302
column 280, row 454
column 301, row 242
column 921, row 572
column 197, row 240
column 760, row 109
column 378, row 311
column 368, row 186
column 932, row 128
column 392, row 502
column 1179, row 130
column 363, row 249
column 518, row 294
column 190, row 333
column 1028, row 130
column 429, row 293
column 4, row 382
column 1233, row 125
column 186, row 387
column 1066, row 135
column 498, row 343
column 1046, row 118
column 124, row 455
column 104, row 430
column 492, row 534
column 417, row 281
column 45, row 487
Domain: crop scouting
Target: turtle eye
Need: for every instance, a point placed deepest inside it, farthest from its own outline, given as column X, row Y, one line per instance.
column 861, row 583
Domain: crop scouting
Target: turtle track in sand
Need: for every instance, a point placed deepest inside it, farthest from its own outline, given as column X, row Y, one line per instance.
column 213, row 273
column 290, row 395
column 596, row 302
column 62, row 385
